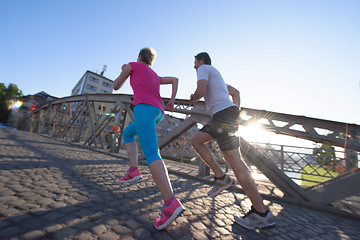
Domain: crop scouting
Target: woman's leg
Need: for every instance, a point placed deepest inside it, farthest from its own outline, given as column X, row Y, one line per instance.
column 132, row 151
column 146, row 118
column 160, row 175
column 130, row 144
column 133, row 173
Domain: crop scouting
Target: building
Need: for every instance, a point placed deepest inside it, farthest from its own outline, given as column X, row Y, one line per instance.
column 19, row 117
column 91, row 83
column 37, row 99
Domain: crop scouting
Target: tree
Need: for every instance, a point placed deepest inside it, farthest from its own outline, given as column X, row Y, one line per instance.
column 7, row 94
column 325, row 155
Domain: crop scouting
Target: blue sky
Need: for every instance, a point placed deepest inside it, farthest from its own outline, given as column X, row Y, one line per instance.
column 295, row 57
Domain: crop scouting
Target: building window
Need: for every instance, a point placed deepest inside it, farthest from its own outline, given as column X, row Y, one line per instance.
column 91, row 87
column 107, row 84
column 93, row 79
column 104, row 91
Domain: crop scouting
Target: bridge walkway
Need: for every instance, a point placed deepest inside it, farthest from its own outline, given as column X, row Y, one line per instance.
column 51, row 189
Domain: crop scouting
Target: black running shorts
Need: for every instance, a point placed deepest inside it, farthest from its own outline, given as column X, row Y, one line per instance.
column 223, row 126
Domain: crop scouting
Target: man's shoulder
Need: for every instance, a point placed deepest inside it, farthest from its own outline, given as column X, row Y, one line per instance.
column 211, row 70
column 206, row 66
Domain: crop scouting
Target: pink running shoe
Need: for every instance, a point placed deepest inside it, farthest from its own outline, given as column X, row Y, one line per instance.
column 169, row 214
column 131, row 176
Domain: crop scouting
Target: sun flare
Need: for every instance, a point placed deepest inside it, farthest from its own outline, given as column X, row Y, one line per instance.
column 253, row 133
column 15, row 104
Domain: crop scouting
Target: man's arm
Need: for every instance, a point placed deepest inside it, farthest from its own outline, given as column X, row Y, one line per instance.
column 235, row 95
column 174, row 82
column 120, row 80
column 200, row 90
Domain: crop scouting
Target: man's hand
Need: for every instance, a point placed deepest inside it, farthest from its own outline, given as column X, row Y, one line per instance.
column 235, row 95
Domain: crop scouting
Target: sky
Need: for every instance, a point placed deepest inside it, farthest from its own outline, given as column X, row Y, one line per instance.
column 293, row 57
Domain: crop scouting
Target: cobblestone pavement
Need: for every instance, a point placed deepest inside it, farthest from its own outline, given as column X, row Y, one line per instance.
column 51, row 189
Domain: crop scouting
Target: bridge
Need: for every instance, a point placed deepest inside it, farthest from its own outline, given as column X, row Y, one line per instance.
column 59, row 118
column 79, row 120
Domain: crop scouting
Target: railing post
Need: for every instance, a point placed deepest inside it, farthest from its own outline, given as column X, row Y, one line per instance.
column 282, row 160
column 351, row 160
column 204, row 170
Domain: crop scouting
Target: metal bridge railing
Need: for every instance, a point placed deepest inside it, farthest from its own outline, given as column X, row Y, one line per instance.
column 88, row 119
column 305, row 166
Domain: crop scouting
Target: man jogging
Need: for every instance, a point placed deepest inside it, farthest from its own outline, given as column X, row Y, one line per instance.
column 225, row 118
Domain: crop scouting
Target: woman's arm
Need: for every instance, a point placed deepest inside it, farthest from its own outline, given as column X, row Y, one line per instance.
column 174, row 82
column 120, row 80
column 235, row 95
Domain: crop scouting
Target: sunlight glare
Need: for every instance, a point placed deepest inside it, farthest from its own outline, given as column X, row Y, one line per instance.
column 253, row 133
column 15, row 105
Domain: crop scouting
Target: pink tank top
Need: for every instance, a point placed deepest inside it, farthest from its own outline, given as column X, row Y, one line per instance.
column 146, row 85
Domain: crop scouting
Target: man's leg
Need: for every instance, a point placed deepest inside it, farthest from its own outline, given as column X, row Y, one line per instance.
column 259, row 216
column 199, row 141
column 222, row 181
column 245, row 179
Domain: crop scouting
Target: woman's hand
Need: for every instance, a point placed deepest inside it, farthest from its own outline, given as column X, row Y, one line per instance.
column 120, row 80
column 174, row 82
column 170, row 105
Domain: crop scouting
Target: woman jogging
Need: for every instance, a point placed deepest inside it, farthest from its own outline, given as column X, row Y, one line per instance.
column 148, row 112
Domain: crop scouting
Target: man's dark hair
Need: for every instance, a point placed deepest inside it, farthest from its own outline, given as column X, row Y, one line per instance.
column 204, row 56
column 147, row 55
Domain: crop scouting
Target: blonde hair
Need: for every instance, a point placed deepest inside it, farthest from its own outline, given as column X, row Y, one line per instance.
column 148, row 55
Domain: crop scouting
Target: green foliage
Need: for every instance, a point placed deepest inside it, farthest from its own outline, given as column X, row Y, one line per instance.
column 312, row 175
column 325, row 155
column 11, row 92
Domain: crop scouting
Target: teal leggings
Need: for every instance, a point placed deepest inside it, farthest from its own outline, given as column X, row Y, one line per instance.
column 144, row 126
